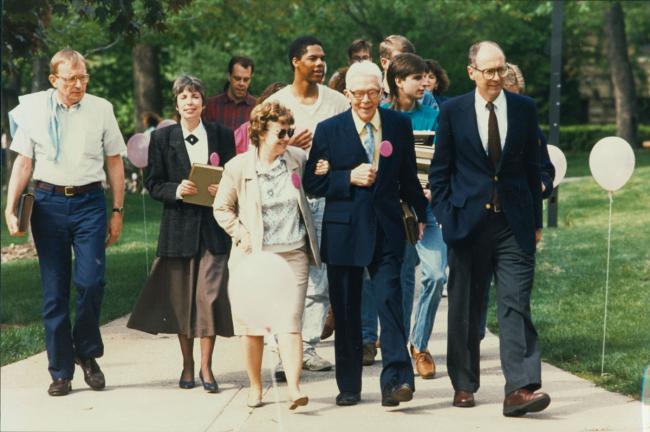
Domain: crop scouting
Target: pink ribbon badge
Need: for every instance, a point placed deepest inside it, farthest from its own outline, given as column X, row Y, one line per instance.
column 386, row 149
column 214, row 159
column 295, row 179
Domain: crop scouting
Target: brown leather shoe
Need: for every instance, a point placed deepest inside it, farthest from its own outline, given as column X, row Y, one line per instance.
column 523, row 401
column 93, row 375
column 463, row 399
column 369, row 354
column 424, row 363
column 60, row 387
column 329, row 326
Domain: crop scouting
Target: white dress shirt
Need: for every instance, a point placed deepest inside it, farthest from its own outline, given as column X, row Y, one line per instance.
column 483, row 115
column 197, row 152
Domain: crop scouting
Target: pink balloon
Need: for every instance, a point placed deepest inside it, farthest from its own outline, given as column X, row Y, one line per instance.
column 214, row 159
column 137, row 150
column 258, row 288
column 165, row 123
column 386, row 149
column 295, row 179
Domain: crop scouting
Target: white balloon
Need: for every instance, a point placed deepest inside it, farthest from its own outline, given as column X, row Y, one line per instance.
column 259, row 288
column 611, row 162
column 559, row 162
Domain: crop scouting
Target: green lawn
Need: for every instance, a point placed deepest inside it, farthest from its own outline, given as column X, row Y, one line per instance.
column 569, row 296
column 20, row 308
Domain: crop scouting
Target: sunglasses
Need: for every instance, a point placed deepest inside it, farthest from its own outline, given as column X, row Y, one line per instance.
column 285, row 132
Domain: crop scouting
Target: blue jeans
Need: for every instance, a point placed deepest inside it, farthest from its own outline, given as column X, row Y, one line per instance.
column 431, row 252
column 433, row 258
column 61, row 225
column 317, row 297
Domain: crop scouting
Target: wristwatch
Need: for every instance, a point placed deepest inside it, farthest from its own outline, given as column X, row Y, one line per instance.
column 119, row 210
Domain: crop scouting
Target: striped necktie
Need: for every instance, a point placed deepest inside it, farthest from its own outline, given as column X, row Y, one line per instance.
column 369, row 143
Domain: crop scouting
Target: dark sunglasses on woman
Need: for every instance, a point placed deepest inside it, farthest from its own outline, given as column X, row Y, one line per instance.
column 285, row 132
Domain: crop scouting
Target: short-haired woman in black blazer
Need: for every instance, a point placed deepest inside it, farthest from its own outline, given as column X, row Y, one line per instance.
column 186, row 292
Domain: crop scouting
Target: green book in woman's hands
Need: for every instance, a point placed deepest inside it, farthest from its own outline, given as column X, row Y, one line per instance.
column 203, row 175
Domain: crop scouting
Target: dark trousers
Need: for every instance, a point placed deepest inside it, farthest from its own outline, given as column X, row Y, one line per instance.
column 345, row 286
column 61, row 225
column 492, row 250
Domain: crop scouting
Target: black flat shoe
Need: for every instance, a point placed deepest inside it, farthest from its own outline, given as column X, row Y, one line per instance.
column 186, row 384
column 348, row 399
column 210, row 387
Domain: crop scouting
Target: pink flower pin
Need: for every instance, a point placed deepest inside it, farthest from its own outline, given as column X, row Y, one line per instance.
column 214, row 159
column 295, row 179
column 386, row 149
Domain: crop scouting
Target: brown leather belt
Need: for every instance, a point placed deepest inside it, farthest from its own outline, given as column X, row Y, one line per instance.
column 68, row 191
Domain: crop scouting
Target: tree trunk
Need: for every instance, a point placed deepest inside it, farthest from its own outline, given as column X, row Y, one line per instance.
column 40, row 72
column 627, row 117
column 146, row 81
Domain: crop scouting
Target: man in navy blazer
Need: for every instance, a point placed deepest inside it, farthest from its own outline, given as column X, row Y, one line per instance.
column 486, row 188
column 372, row 165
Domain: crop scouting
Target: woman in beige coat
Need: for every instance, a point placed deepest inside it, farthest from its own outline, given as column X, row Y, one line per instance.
column 262, row 206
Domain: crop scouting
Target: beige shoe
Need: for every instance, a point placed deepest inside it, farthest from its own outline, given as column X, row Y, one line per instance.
column 254, row 400
column 300, row 401
column 424, row 363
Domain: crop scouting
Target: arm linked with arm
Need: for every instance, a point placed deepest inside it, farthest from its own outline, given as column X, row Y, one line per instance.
column 334, row 184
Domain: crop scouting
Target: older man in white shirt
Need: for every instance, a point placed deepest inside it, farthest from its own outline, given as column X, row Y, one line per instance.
column 66, row 134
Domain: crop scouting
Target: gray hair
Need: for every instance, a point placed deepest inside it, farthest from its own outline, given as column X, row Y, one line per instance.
column 364, row 68
column 189, row 82
column 474, row 49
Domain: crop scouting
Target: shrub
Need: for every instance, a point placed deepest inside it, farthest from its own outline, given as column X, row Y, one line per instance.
column 583, row 137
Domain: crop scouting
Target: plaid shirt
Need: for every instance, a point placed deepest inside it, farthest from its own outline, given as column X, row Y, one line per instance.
column 223, row 110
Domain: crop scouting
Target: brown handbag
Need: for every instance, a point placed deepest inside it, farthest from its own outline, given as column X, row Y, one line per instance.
column 410, row 223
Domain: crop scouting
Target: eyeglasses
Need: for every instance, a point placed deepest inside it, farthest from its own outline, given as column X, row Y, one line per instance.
column 285, row 133
column 83, row 79
column 489, row 74
column 361, row 94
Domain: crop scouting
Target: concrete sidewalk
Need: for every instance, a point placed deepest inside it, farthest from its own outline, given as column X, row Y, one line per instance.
column 142, row 395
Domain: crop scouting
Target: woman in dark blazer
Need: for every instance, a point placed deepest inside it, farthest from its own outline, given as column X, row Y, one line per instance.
column 186, row 293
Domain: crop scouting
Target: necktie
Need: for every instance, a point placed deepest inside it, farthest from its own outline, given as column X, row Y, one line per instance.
column 494, row 149
column 191, row 139
column 369, row 143
column 494, row 140
column 54, row 129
